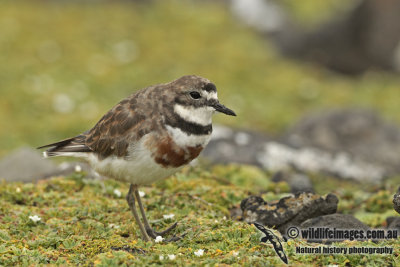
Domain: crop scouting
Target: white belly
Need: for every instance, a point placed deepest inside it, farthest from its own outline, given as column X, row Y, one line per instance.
column 139, row 169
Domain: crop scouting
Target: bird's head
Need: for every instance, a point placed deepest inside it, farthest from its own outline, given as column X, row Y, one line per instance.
column 196, row 99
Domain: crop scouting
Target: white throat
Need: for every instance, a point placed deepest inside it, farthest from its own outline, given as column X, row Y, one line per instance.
column 200, row 115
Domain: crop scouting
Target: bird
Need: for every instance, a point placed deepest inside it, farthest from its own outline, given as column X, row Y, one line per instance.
column 148, row 136
column 268, row 235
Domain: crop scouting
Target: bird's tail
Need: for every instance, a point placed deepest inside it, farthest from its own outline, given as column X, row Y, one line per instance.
column 74, row 146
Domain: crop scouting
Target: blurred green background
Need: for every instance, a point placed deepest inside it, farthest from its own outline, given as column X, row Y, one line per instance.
column 65, row 63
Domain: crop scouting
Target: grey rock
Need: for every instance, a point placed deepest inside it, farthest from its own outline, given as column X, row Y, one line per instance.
column 360, row 133
column 245, row 147
column 337, row 220
column 236, row 213
column 390, row 219
column 25, row 165
column 396, row 201
column 298, row 182
column 332, row 221
column 276, row 156
column 228, row 145
column 393, row 223
column 336, row 43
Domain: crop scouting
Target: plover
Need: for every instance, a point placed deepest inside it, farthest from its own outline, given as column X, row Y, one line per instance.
column 148, row 136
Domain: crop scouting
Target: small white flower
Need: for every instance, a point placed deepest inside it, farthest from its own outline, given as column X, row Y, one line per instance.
column 224, row 218
column 161, row 257
column 216, row 221
column 171, row 257
column 117, row 193
column 159, row 239
column 18, row 190
column 111, row 225
column 199, row 253
column 235, row 253
column 35, row 218
column 142, row 194
column 78, row 168
column 168, row 216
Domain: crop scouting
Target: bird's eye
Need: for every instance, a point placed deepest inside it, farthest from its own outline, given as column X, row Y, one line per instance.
column 195, row 95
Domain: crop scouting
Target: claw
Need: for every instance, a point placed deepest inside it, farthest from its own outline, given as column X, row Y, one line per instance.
column 175, row 238
column 154, row 234
column 166, row 231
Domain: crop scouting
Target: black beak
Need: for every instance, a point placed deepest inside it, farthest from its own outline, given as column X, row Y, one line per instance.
column 221, row 108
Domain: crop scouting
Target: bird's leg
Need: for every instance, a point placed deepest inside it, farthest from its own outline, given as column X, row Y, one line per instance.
column 150, row 230
column 130, row 198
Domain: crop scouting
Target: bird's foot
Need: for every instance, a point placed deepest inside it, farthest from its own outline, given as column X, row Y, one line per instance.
column 152, row 233
column 175, row 238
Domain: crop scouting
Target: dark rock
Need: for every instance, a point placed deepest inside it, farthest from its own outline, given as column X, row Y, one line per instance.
column 390, row 219
column 236, row 213
column 393, row 223
column 25, row 165
column 396, row 201
column 334, row 221
column 288, row 211
column 338, row 221
column 298, row 182
column 364, row 35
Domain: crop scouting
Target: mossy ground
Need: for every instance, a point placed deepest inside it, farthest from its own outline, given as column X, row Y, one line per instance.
column 83, row 222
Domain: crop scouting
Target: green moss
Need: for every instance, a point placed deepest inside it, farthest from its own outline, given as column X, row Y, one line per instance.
column 380, row 201
column 249, row 177
column 83, row 222
column 374, row 219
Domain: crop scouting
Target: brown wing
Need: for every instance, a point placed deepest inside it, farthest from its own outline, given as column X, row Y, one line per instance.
column 122, row 125
column 71, row 145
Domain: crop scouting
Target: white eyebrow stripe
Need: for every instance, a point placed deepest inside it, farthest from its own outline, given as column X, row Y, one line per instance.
column 211, row 95
column 200, row 115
